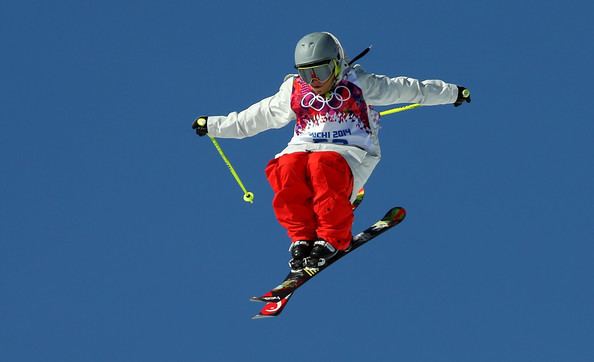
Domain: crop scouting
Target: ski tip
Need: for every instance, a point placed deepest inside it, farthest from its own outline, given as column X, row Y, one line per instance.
column 261, row 316
column 265, row 299
column 395, row 214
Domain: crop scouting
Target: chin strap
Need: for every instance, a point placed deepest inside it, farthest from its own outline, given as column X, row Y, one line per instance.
column 337, row 68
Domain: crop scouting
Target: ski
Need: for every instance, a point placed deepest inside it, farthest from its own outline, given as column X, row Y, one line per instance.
column 276, row 300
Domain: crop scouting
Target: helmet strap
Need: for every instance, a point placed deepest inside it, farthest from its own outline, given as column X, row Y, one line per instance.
column 336, row 68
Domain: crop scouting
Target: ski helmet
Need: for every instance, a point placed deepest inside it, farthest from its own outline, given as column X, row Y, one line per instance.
column 318, row 56
column 317, row 48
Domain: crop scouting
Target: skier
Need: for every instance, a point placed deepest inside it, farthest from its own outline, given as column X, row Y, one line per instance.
column 335, row 146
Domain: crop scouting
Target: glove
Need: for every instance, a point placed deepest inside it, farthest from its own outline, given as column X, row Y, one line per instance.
column 200, row 126
column 463, row 96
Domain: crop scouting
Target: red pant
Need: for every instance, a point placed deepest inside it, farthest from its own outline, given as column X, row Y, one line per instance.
column 312, row 193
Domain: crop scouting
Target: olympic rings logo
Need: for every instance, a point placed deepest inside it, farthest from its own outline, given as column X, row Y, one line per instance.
column 317, row 102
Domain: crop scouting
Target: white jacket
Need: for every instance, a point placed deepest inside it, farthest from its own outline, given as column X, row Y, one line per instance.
column 378, row 90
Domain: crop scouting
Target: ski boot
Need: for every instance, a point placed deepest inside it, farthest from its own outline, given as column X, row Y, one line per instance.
column 299, row 250
column 321, row 253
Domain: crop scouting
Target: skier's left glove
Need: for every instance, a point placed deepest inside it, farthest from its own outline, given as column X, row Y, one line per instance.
column 463, row 96
column 200, row 126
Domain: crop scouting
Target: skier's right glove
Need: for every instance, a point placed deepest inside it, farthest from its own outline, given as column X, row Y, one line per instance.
column 463, row 96
column 200, row 126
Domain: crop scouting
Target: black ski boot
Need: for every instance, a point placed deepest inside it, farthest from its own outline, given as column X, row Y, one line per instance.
column 320, row 254
column 299, row 251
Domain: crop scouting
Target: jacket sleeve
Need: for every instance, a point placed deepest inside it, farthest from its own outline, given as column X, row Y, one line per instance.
column 271, row 112
column 381, row 90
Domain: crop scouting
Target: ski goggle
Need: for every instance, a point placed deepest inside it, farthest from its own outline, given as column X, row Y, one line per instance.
column 321, row 72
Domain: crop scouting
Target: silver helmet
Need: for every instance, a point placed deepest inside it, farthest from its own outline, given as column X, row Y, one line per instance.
column 318, row 57
column 317, row 48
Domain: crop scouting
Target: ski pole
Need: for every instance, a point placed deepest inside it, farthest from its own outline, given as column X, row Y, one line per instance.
column 399, row 109
column 466, row 94
column 247, row 196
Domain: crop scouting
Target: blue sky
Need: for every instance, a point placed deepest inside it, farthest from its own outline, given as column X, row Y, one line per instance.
column 124, row 238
